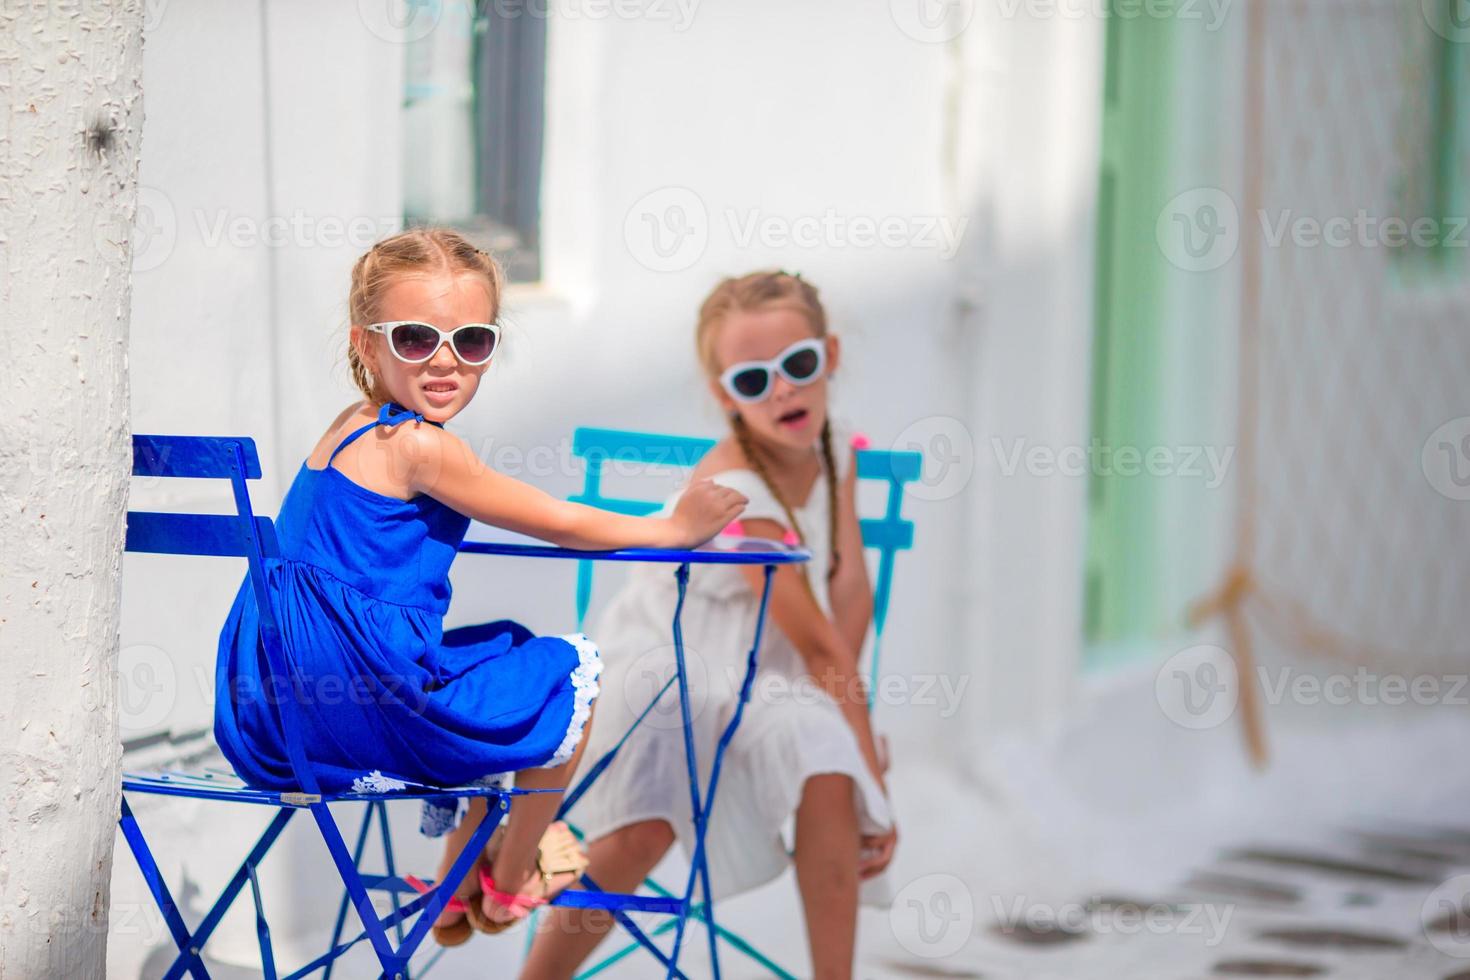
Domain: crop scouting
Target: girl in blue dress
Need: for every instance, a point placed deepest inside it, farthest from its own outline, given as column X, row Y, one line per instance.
column 368, row 530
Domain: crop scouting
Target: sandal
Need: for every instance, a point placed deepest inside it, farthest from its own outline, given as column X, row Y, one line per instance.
column 456, row 932
column 559, row 853
column 459, row 931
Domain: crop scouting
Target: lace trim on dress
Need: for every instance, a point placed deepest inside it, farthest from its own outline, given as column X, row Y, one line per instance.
column 584, row 683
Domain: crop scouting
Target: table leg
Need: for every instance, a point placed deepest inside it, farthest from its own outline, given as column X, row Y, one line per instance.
column 681, row 576
column 699, row 862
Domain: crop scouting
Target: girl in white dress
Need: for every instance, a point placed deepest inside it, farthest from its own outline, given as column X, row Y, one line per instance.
column 804, row 749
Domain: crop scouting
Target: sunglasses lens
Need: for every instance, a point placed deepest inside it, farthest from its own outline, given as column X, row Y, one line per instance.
column 802, row 365
column 475, row 344
column 415, row 341
column 751, row 383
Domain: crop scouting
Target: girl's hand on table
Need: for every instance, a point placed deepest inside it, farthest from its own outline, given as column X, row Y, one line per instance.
column 702, row 511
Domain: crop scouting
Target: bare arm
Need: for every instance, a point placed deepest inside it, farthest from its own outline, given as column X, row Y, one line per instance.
column 825, row 651
column 850, row 589
column 443, row 466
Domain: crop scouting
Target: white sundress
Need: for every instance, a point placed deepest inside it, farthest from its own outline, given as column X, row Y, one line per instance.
column 791, row 729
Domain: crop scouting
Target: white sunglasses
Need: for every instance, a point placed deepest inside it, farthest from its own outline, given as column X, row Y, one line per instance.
column 414, row 342
column 801, row 364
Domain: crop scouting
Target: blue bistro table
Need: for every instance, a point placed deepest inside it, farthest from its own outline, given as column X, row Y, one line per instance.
column 723, row 550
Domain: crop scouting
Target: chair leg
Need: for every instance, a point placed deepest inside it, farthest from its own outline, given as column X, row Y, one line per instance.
column 188, row 953
column 395, row 961
column 362, row 833
column 262, row 930
column 388, row 866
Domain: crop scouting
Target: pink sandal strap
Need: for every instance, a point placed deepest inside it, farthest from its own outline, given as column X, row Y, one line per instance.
column 519, row 905
column 423, row 888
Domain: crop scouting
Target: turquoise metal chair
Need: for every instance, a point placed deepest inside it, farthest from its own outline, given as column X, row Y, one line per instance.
column 887, row 535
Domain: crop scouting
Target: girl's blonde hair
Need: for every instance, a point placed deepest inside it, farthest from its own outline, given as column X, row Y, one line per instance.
column 415, row 252
column 749, row 294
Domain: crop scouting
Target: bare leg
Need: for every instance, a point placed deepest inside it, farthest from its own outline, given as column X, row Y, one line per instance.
column 622, row 859
column 514, row 863
column 454, row 843
column 827, row 842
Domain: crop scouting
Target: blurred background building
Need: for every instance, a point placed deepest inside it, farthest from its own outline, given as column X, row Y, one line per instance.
column 1172, row 295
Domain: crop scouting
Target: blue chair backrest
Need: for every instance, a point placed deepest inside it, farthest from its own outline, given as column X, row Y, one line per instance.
column 238, row 535
column 887, row 535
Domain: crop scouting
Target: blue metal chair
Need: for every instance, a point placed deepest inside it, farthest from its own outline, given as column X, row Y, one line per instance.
column 887, row 535
column 244, row 535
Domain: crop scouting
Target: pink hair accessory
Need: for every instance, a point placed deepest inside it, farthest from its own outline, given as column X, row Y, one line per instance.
column 735, row 528
column 860, row 441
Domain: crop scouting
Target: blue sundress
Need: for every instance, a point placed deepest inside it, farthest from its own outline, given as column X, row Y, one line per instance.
column 389, row 699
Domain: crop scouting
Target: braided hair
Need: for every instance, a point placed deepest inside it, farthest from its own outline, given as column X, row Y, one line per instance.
column 759, row 291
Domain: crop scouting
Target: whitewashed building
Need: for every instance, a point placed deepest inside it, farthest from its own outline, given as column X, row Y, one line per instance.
column 990, row 195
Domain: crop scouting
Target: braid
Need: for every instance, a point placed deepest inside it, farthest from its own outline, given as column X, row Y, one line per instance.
column 831, row 467
column 747, row 446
